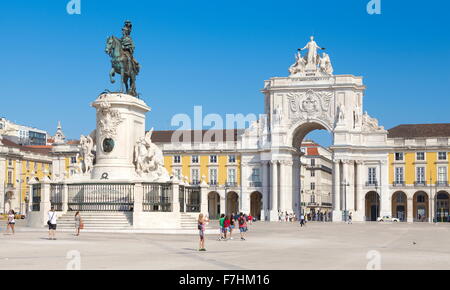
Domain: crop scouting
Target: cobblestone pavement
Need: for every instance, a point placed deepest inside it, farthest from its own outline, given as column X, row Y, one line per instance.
column 268, row 246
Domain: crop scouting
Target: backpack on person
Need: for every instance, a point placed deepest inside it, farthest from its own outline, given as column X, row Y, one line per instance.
column 241, row 221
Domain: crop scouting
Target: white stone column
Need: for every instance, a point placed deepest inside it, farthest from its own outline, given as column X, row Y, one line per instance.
column 287, row 185
column 223, row 199
column 337, row 214
column 432, row 206
column 359, row 195
column 386, row 201
column 282, row 187
column 296, row 186
column 351, row 189
column 137, row 206
column 266, row 190
column 344, row 181
column 204, row 198
column 45, row 205
column 176, row 196
column 2, row 183
column 65, row 198
column 410, row 210
column 274, row 191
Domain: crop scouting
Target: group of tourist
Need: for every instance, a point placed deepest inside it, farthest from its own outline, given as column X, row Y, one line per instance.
column 52, row 223
column 286, row 217
column 227, row 225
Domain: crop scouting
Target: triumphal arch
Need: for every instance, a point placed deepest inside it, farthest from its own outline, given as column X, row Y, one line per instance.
column 311, row 98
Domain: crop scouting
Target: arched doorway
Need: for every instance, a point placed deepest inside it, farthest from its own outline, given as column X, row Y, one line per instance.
column 232, row 203
column 256, row 204
column 442, row 207
column 213, row 205
column 312, row 171
column 420, row 206
column 399, row 206
column 372, row 206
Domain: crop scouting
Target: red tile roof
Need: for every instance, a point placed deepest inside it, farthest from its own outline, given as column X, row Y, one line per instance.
column 45, row 150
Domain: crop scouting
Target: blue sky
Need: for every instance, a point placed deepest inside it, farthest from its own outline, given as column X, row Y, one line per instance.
column 217, row 54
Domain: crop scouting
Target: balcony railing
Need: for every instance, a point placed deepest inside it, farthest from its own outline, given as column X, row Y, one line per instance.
column 371, row 183
column 398, row 183
column 420, row 183
column 442, row 183
column 256, row 184
column 9, row 186
column 231, row 184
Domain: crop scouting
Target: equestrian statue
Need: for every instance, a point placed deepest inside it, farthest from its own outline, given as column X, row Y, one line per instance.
column 122, row 59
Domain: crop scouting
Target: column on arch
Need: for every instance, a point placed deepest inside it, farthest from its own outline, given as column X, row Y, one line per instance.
column 296, row 184
column 337, row 201
column 266, row 189
column 359, row 196
column 274, row 190
column 286, row 188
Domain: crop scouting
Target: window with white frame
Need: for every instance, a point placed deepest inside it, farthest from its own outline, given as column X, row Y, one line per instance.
column 231, row 175
column 399, row 175
column 73, row 160
column 213, row 176
column 372, row 178
column 420, row 175
column 231, row 158
column 442, row 174
column 10, row 162
column 420, row 156
column 213, row 159
column 399, row 156
column 195, row 176
column 313, row 186
column 442, row 156
column 313, row 162
column 194, row 159
column 177, row 159
column 313, row 173
column 256, row 175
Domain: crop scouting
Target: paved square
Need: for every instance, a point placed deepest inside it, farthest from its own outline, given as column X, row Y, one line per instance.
column 268, row 246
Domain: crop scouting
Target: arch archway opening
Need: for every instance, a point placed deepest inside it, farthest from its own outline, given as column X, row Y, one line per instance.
column 372, row 206
column 313, row 171
column 232, row 205
column 421, row 210
column 213, row 205
column 399, row 206
column 442, row 207
column 256, row 204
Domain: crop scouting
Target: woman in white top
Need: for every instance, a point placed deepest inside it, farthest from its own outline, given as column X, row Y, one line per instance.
column 11, row 221
column 52, row 216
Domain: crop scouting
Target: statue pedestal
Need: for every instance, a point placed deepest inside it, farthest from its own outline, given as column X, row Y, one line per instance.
column 120, row 123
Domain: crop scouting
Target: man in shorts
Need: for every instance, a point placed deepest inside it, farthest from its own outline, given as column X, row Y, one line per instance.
column 221, row 222
column 242, row 226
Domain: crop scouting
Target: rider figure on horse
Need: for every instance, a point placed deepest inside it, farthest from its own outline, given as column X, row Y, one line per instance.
column 128, row 46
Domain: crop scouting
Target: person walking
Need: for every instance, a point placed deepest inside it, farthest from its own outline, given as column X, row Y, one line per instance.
column 202, row 221
column 232, row 225
column 226, row 226
column 302, row 220
column 11, row 222
column 350, row 219
column 221, row 221
column 242, row 226
column 79, row 225
column 52, row 216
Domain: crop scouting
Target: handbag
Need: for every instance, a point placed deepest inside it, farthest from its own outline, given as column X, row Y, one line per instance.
column 49, row 223
column 81, row 225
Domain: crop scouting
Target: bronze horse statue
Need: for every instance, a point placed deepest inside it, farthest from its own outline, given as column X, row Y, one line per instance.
column 122, row 63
